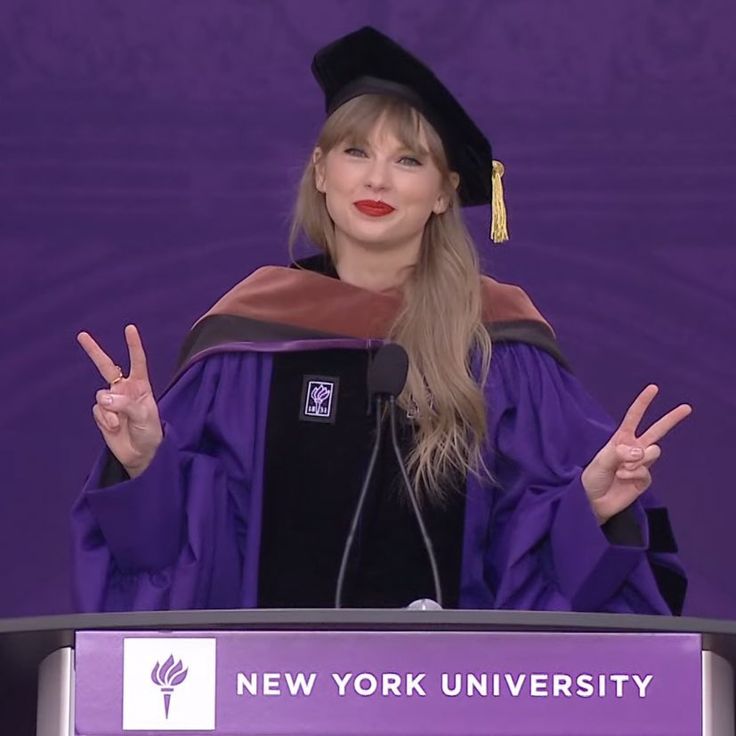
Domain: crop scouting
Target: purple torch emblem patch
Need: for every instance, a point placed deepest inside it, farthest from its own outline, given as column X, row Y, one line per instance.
column 319, row 395
column 167, row 676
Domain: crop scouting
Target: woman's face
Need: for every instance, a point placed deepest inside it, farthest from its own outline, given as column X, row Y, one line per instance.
column 379, row 193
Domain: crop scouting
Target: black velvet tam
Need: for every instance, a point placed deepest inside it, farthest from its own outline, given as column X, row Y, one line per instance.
column 368, row 62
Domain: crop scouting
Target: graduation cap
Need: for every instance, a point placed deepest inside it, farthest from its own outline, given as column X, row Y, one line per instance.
column 368, row 62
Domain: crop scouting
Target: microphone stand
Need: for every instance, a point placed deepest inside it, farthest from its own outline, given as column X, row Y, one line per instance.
column 359, row 506
column 386, row 379
column 417, row 513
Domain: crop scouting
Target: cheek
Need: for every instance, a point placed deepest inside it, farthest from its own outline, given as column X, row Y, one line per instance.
column 421, row 204
column 341, row 184
column 339, row 204
column 333, row 207
column 340, row 177
column 421, row 192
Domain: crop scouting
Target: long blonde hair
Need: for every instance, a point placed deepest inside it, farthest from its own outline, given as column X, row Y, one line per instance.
column 440, row 325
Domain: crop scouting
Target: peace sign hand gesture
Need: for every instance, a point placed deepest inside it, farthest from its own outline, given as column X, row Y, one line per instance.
column 619, row 473
column 126, row 413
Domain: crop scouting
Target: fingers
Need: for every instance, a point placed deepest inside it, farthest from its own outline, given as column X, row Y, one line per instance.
column 107, row 368
column 615, row 456
column 660, row 428
column 115, row 404
column 641, row 476
column 663, row 425
column 106, row 420
column 631, row 458
column 637, row 409
column 651, row 455
column 629, row 453
column 138, row 364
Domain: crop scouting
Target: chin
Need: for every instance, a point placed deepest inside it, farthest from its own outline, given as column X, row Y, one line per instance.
column 384, row 230
column 373, row 237
column 369, row 231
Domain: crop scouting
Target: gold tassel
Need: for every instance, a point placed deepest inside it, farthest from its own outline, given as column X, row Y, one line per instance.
column 499, row 220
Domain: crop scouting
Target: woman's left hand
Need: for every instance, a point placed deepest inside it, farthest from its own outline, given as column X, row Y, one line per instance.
column 619, row 473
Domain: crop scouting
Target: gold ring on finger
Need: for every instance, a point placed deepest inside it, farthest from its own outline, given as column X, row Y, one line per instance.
column 119, row 376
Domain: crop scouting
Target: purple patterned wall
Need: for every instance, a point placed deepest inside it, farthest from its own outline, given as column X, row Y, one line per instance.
column 148, row 157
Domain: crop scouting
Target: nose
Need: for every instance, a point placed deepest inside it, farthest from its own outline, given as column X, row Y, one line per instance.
column 378, row 175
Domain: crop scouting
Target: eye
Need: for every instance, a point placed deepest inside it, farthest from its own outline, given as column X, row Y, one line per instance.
column 410, row 161
column 354, row 151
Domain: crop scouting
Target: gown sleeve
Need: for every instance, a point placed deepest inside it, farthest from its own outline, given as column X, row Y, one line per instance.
column 176, row 536
column 545, row 549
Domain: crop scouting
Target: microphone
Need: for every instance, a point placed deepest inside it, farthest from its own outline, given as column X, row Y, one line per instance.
column 386, row 379
column 388, row 370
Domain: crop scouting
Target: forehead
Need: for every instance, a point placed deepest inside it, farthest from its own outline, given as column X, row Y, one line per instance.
column 392, row 132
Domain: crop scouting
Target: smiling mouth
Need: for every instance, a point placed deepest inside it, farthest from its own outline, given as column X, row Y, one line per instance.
column 372, row 208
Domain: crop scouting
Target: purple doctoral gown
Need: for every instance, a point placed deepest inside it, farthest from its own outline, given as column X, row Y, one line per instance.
column 186, row 533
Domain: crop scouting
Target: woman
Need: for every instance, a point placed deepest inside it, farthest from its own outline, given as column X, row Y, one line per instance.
column 237, row 488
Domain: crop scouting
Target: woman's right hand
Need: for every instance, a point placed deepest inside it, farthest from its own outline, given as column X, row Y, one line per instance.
column 126, row 413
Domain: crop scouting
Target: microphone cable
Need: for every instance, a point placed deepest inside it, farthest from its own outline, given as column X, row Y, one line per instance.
column 415, row 505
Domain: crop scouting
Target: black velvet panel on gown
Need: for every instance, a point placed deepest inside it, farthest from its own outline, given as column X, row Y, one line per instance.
column 313, row 475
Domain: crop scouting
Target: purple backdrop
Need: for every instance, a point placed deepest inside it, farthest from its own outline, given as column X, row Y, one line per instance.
column 149, row 154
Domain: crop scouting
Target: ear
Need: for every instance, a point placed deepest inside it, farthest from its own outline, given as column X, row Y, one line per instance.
column 318, row 161
column 444, row 199
column 441, row 204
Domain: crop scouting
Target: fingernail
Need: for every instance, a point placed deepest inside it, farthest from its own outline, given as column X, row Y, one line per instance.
column 636, row 452
column 107, row 400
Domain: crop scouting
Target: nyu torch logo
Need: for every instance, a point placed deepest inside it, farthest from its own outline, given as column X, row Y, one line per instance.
column 167, row 676
column 184, row 677
column 319, row 398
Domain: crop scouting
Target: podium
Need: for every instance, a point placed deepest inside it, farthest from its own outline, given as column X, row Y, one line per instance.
column 362, row 672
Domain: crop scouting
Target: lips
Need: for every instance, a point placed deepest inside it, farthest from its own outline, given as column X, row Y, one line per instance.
column 373, row 208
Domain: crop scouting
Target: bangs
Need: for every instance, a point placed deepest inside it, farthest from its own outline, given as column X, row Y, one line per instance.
column 357, row 119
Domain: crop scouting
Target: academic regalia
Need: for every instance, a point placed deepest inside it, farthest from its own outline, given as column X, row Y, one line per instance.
column 247, row 501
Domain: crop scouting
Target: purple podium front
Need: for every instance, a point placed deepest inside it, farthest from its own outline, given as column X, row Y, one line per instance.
column 285, row 673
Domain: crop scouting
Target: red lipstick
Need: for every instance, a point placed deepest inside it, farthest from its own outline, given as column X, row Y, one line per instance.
column 373, row 208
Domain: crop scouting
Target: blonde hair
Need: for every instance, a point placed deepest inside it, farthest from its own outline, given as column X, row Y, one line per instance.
column 440, row 325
